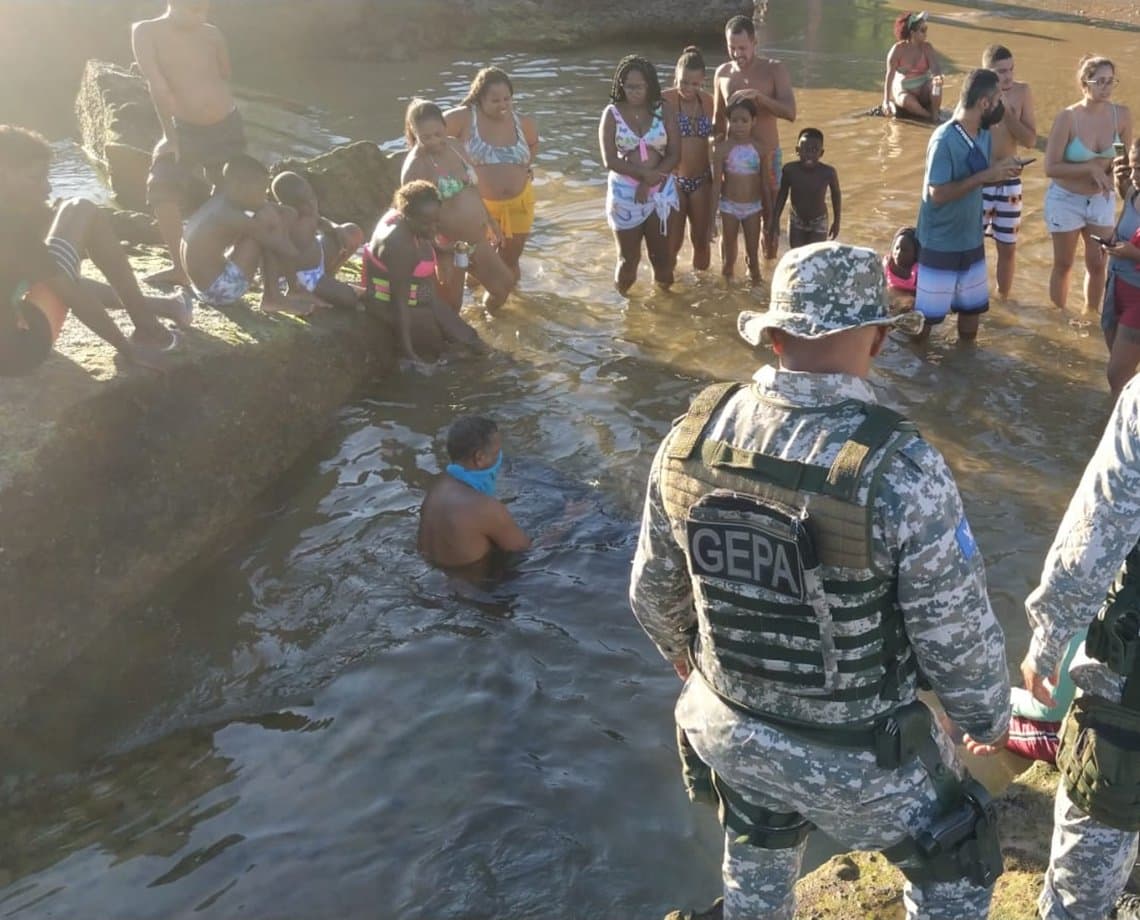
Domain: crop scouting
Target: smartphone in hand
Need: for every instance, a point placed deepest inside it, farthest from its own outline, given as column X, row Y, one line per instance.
column 1026, row 161
column 1101, row 240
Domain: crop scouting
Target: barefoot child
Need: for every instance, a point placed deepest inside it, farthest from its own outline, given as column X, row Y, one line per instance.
column 41, row 250
column 740, row 189
column 187, row 68
column 223, row 246
column 900, row 266
column 808, row 181
column 324, row 246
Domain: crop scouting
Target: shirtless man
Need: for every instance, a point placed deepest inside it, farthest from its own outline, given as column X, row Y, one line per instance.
column 224, row 246
column 767, row 83
column 461, row 522
column 187, row 68
column 1002, row 203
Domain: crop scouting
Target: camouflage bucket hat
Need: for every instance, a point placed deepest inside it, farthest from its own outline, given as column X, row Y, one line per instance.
column 825, row 288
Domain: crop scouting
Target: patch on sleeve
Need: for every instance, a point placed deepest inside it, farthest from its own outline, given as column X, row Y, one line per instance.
column 965, row 539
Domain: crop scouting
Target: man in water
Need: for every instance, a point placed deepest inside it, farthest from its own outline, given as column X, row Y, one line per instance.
column 952, row 256
column 1001, row 215
column 1091, row 578
column 187, row 69
column 804, row 563
column 461, row 522
column 767, row 84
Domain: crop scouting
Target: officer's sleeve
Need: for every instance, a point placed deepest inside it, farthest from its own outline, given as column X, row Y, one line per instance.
column 1099, row 529
column 660, row 592
column 942, row 591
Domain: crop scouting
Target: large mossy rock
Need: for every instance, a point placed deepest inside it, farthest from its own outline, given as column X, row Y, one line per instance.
column 354, row 183
column 118, row 127
column 113, row 479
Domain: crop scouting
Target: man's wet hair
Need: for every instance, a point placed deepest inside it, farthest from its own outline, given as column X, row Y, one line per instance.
column 978, row 84
column 467, row 434
column 414, row 195
column 21, row 147
column 810, row 134
column 995, row 53
column 738, row 24
column 290, row 188
column 645, row 67
column 245, row 170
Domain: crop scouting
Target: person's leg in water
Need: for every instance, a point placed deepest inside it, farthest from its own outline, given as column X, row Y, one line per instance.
column 511, row 250
column 493, row 273
column 1123, row 357
column 912, row 105
column 677, row 227
column 751, row 227
column 1064, row 251
column 660, row 250
column 729, row 230
column 1006, row 266
column 1096, row 266
column 700, row 222
column 87, row 228
column 628, row 243
column 450, row 326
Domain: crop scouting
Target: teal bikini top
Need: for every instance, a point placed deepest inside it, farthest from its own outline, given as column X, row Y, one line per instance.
column 1077, row 152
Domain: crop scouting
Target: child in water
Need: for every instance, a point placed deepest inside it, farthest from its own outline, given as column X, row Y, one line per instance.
column 808, row 181
column 900, row 266
column 740, row 167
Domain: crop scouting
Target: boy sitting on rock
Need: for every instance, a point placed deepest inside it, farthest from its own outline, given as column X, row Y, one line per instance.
column 324, row 246
column 41, row 250
column 223, row 244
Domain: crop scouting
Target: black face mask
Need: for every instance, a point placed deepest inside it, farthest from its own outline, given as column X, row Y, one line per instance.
column 994, row 115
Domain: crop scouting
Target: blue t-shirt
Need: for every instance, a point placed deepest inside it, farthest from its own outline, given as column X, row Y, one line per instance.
column 957, row 225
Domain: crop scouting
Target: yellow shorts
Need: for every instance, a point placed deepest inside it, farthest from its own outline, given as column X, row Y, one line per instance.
column 515, row 216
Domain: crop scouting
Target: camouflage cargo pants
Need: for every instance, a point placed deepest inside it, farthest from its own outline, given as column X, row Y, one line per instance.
column 843, row 792
column 1089, row 864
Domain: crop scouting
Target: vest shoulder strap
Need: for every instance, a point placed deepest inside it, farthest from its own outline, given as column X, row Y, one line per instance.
column 876, row 429
column 688, row 433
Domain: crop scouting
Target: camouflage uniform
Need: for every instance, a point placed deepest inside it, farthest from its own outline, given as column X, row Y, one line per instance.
column 920, row 534
column 1089, row 863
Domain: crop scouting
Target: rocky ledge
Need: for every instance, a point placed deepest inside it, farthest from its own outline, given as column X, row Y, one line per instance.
column 112, row 479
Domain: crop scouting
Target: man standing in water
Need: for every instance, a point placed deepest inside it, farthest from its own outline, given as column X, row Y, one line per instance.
column 1095, row 553
column 1001, row 203
column 952, row 255
column 804, row 558
column 767, row 84
column 461, row 522
column 187, row 68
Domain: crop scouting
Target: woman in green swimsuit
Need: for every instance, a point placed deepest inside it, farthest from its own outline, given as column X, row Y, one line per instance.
column 436, row 158
column 1081, row 202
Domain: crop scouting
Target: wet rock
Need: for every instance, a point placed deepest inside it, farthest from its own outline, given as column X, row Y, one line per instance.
column 845, row 869
column 354, row 183
column 118, row 127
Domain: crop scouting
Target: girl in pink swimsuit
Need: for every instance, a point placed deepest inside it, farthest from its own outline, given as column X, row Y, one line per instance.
column 399, row 274
column 741, row 192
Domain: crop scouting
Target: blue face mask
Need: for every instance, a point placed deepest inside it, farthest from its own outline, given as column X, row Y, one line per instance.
column 480, row 480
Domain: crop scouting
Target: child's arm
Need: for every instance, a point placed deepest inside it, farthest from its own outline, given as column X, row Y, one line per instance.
column 271, row 231
column 716, row 164
column 160, row 92
column 892, row 67
column 765, row 186
column 782, row 195
column 836, row 204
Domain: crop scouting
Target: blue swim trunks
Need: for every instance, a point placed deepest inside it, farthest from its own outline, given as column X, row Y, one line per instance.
column 230, row 286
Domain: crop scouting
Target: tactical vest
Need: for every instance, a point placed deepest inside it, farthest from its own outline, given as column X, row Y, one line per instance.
column 1099, row 754
column 795, row 623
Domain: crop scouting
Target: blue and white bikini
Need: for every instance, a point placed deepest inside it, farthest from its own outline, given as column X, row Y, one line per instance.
column 623, row 211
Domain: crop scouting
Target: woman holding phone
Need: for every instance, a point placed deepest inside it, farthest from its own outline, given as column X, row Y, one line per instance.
column 1081, row 201
column 1120, row 318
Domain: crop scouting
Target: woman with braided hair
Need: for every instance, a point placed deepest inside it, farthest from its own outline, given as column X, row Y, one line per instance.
column 641, row 146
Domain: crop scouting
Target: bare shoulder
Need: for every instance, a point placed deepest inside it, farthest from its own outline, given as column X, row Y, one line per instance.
column 706, row 97
column 670, row 94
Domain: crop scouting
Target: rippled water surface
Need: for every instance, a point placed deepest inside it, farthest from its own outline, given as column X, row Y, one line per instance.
column 319, row 724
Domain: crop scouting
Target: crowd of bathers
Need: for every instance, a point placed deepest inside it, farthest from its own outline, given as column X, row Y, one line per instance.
column 683, row 163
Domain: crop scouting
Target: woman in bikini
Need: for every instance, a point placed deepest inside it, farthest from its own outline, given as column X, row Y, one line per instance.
column 399, row 274
column 641, row 146
column 501, row 145
column 695, row 122
column 470, row 235
column 913, row 86
column 1081, row 200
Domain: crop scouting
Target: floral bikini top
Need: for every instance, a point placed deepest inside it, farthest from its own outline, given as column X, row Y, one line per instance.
column 699, row 125
column 484, row 153
column 448, row 185
column 627, row 140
